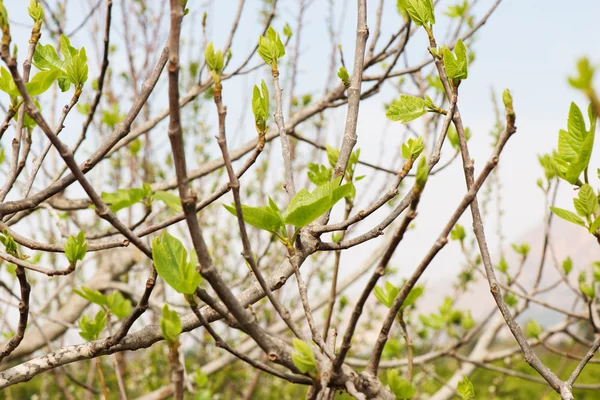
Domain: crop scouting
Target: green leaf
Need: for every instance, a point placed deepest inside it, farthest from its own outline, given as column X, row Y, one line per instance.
column 413, row 148
column 386, row 296
column 465, row 389
column 170, row 325
column 343, row 75
column 332, row 155
column 7, row 85
column 260, row 106
column 213, row 60
column 306, row 207
column 265, row 218
column 567, row 215
column 73, row 69
column 41, row 82
column 401, row 388
column 270, row 47
column 172, row 264
column 567, row 265
column 533, row 329
column 406, row 109
column 303, row 358
column 287, row 31
column 458, row 233
column 111, row 117
column 502, row 265
column 456, row 67
column 588, row 290
column 420, row 11
column 118, row 305
column 200, row 378
column 91, row 329
column 9, row 243
column 93, row 296
column 319, row 174
column 77, row 69
column 135, row 146
column 46, row 58
column 548, row 166
column 510, row 299
column 422, row 171
column 35, row 10
column 522, row 249
column 587, row 203
column 412, row 296
column 123, row 198
column 595, row 225
column 467, row 321
column 575, row 145
column 583, row 80
column 173, row 202
column 458, row 10
column 75, row 248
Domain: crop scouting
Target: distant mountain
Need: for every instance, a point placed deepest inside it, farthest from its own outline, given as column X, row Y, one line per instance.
column 568, row 240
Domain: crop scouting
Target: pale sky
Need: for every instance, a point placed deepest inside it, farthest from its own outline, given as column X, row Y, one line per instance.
column 528, row 46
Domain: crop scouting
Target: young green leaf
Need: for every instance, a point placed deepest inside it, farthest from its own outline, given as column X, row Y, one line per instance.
column 412, row 296
column 7, row 85
column 303, row 358
column 583, row 80
column 458, row 10
column 319, row 174
column 595, row 225
column 522, row 249
column 173, row 202
column 465, row 389
column 91, row 329
column 260, row 107
column 401, row 388
column 270, row 47
column 567, row 215
column 420, row 11
column 456, row 65
column 77, row 69
column 406, row 109
column 413, row 148
column 386, row 296
column 93, row 296
column 305, row 207
column 75, row 248
column 170, row 325
column 533, row 329
column 124, row 198
column 587, row 203
column 213, row 60
column 574, row 146
column 112, row 116
column 9, row 243
column 118, row 305
column 422, row 172
column 343, row 75
column 567, row 265
column 41, row 82
column 458, row 233
column 35, row 10
column 172, row 264
column 265, row 218
column 287, row 31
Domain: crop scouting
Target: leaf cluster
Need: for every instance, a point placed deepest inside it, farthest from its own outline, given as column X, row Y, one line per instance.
column 75, row 248
column 173, row 265
column 270, row 47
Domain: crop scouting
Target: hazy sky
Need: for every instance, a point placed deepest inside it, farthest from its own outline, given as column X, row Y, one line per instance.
column 529, row 46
